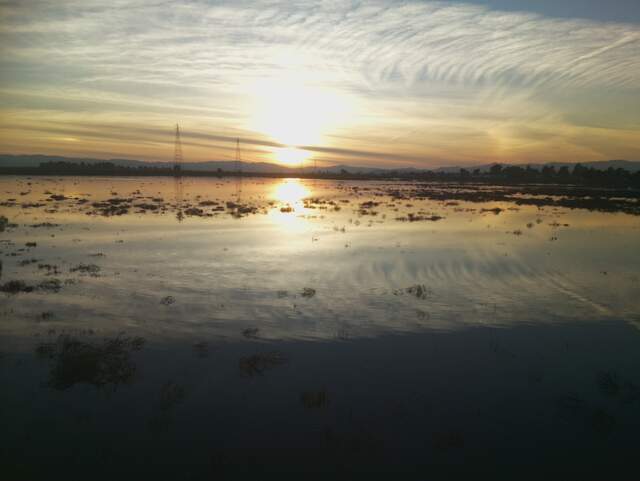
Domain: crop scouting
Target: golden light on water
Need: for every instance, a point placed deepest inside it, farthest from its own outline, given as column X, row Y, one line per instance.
column 290, row 191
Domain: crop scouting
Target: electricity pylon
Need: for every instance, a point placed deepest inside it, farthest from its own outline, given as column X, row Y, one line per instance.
column 238, row 172
column 177, row 153
column 177, row 172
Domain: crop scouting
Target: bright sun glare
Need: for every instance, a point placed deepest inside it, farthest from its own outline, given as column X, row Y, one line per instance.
column 294, row 113
column 290, row 191
column 291, row 156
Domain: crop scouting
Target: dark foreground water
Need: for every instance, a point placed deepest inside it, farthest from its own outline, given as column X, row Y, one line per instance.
column 312, row 330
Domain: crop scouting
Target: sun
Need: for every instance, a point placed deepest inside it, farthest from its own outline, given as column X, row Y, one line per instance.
column 291, row 156
column 295, row 113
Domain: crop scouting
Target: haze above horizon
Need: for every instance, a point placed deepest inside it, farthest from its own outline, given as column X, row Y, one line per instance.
column 380, row 83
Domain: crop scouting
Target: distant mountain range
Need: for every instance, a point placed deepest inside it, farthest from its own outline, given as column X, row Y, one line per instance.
column 8, row 160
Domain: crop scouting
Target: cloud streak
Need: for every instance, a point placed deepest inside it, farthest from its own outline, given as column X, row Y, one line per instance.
column 411, row 67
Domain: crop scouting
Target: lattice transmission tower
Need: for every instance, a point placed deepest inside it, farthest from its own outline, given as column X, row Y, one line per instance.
column 238, row 171
column 177, row 153
column 238, row 157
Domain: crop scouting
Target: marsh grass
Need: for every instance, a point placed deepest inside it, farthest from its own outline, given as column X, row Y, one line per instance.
column 608, row 383
column 257, row 364
column 167, row 300
column 92, row 270
column 201, row 349
column 101, row 364
column 250, row 332
column 602, row 422
column 308, row 292
column 419, row 291
column 14, row 287
column 171, row 394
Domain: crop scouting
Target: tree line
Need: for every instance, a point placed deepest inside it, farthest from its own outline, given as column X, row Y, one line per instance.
column 497, row 174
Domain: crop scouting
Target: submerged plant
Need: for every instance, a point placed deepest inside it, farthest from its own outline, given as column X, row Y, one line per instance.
column 608, row 383
column 418, row 290
column 250, row 332
column 171, row 394
column 167, row 300
column 315, row 399
column 201, row 349
column 13, row 287
column 99, row 364
column 257, row 364
column 308, row 292
column 602, row 422
column 87, row 269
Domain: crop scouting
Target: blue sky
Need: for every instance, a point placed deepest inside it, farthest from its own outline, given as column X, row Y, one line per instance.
column 379, row 82
column 599, row 10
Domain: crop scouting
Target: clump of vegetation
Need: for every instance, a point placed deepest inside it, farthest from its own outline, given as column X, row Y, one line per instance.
column 26, row 262
column 602, row 422
column 14, row 287
column 45, row 225
column 111, row 207
column 58, row 197
column 86, row 269
column 411, row 217
column 194, row 211
column 201, row 349
column 171, row 394
column 53, row 285
column 100, row 364
column 315, row 399
column 608, row 383
column 308, row 292
column 51, row 269
column 257, row 364
column 495, row 210
column 418, row 290
column 5, row 224
column 250, row 332
column 167, row 300
column 31, row 244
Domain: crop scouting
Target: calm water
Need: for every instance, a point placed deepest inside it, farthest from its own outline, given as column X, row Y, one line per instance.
column 210, row 328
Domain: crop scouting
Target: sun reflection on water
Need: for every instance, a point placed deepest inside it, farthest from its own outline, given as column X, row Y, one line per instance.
column 290, row 195
column 290, row 191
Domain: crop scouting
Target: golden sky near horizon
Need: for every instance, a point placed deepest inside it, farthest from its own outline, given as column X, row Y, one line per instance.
column 377, row 83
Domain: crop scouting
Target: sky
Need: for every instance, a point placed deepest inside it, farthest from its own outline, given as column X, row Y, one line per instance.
column 384, row 83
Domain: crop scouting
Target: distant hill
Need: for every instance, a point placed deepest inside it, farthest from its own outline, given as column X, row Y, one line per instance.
column 9, row 160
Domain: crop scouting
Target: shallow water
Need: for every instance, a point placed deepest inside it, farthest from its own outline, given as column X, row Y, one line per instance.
column 312, row 326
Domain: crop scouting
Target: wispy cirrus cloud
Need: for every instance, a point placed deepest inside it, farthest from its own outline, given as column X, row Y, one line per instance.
column 431, row 81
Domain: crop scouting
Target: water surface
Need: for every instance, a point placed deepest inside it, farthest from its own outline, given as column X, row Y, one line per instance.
column 196, row 327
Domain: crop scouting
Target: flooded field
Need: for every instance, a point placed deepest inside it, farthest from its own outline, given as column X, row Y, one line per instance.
column 221, row 328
